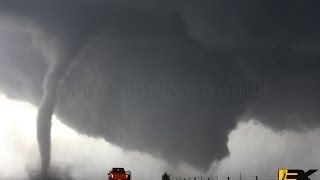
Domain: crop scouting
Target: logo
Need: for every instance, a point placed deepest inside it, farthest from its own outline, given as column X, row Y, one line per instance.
column 294, row 174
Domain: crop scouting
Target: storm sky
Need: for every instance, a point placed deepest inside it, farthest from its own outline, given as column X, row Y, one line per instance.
column 167, row 78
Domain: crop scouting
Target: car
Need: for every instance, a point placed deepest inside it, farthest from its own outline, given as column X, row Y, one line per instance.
column 117, row 173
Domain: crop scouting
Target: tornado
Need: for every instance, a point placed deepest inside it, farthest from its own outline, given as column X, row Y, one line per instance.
column 45, row 112
column 60, row 51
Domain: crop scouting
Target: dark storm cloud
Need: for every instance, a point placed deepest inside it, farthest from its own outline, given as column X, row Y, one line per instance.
column 233, row 58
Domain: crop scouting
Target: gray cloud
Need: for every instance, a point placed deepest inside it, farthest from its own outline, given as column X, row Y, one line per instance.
column 269, row 48
column 264, row 151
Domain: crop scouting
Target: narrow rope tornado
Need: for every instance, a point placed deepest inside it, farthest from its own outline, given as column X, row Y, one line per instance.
column 45, row 112
column 61, row 50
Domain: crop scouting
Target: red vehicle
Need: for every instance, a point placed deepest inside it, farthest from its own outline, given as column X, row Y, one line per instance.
column 119, row 174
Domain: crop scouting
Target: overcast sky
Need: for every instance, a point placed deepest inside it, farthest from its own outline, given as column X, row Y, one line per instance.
column 169, row 80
